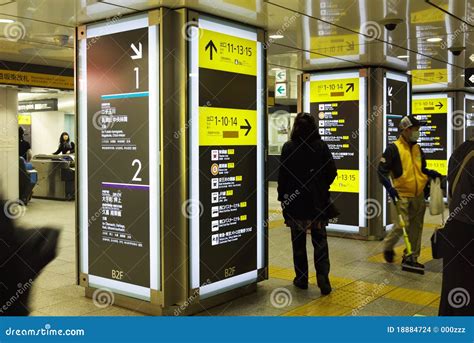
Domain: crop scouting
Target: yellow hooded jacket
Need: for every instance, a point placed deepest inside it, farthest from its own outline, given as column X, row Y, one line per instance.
column 412, row 182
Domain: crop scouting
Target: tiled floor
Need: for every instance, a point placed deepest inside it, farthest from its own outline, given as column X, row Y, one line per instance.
column 363, row 285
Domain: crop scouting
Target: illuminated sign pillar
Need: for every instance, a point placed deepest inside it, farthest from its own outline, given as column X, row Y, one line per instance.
column 227, row 145
column 338, row 102
column 462, row 117
column 172, row 201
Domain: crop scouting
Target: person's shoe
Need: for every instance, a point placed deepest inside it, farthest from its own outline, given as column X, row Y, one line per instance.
column 324, row 284
column 411, row 266
column 300, row 284
column 389, row 255
column 419, row 265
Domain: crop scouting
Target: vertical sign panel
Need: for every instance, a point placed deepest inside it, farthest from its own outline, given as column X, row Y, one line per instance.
column 434, row 136
column 469, row 117
column 228, row 159
column 335, row 102
column 396, row 106
column 226, row 156
column 119, row 144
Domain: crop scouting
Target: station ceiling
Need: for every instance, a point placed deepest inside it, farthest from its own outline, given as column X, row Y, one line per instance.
column 317, row 34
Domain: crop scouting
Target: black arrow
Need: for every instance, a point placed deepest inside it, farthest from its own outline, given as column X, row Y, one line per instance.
column 212, row 46
column 248, row 127
column 439, row 105
column 350, row 87
column 350, row 46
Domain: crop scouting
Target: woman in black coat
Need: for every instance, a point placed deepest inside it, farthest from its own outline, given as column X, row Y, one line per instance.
column 307, row 170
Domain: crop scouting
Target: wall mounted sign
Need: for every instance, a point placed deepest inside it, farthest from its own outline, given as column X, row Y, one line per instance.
column 43, row 105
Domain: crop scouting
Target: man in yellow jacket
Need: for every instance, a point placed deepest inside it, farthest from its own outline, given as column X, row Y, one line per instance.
column 402, row 170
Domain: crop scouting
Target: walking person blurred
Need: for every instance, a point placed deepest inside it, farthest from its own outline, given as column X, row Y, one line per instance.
column 404, row 162
column 307, row 170
column 457, row 293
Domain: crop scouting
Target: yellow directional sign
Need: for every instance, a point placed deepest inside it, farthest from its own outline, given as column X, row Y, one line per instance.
column 429, row 76
column 250, row 5
column 24, row 119
column 337, row 45
column 224, row 52
column 429, row 15
column 22, row 78
column 430, row 106
column 225, row 126
column 441, row 166
column 347, row 181
column 335, row 90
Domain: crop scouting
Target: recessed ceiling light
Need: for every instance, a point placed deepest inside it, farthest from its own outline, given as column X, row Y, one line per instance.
column 434, row 39
column 276, row 36
column 6, row 21
column 402, row 56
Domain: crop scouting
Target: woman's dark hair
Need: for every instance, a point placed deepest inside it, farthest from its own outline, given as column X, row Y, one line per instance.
column 304, row 128
column 61, row 138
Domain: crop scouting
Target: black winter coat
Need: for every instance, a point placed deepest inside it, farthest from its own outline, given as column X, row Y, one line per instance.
column 23, row 254
column 306, row 172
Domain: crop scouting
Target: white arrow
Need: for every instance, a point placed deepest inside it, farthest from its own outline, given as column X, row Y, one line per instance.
column 390, row 89
column 471, row 78
column 471, row 58
column 138, row 52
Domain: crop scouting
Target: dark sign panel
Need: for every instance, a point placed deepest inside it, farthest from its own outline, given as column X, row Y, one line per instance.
column 118, row 156
column 433, row 136
column 469, row 77
column 469, row 119
column 227, row 156
column 396, row 106
column 335, row 105
column 43, row 105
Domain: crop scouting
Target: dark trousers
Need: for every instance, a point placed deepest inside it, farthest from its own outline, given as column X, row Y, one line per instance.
column 321, row 251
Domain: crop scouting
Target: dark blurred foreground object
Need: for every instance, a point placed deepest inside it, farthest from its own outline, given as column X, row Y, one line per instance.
column 27, row 181
column 23, row 254
column 456, row 245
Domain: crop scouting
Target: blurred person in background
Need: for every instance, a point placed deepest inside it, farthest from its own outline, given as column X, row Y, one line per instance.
column 457, row 293
column 24, row 147
column 65, row 145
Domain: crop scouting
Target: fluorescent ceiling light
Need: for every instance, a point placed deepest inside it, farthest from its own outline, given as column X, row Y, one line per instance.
column 434, row 39
column 276, row 36
column 402, row 56
column 6, row 21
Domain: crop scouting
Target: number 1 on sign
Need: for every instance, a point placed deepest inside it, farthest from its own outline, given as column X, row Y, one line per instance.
column 137, row 83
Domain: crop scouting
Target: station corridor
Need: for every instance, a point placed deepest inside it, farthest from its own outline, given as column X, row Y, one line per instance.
column 363, row 284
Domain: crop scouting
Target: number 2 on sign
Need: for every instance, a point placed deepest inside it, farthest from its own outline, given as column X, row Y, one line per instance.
column 135, row 177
